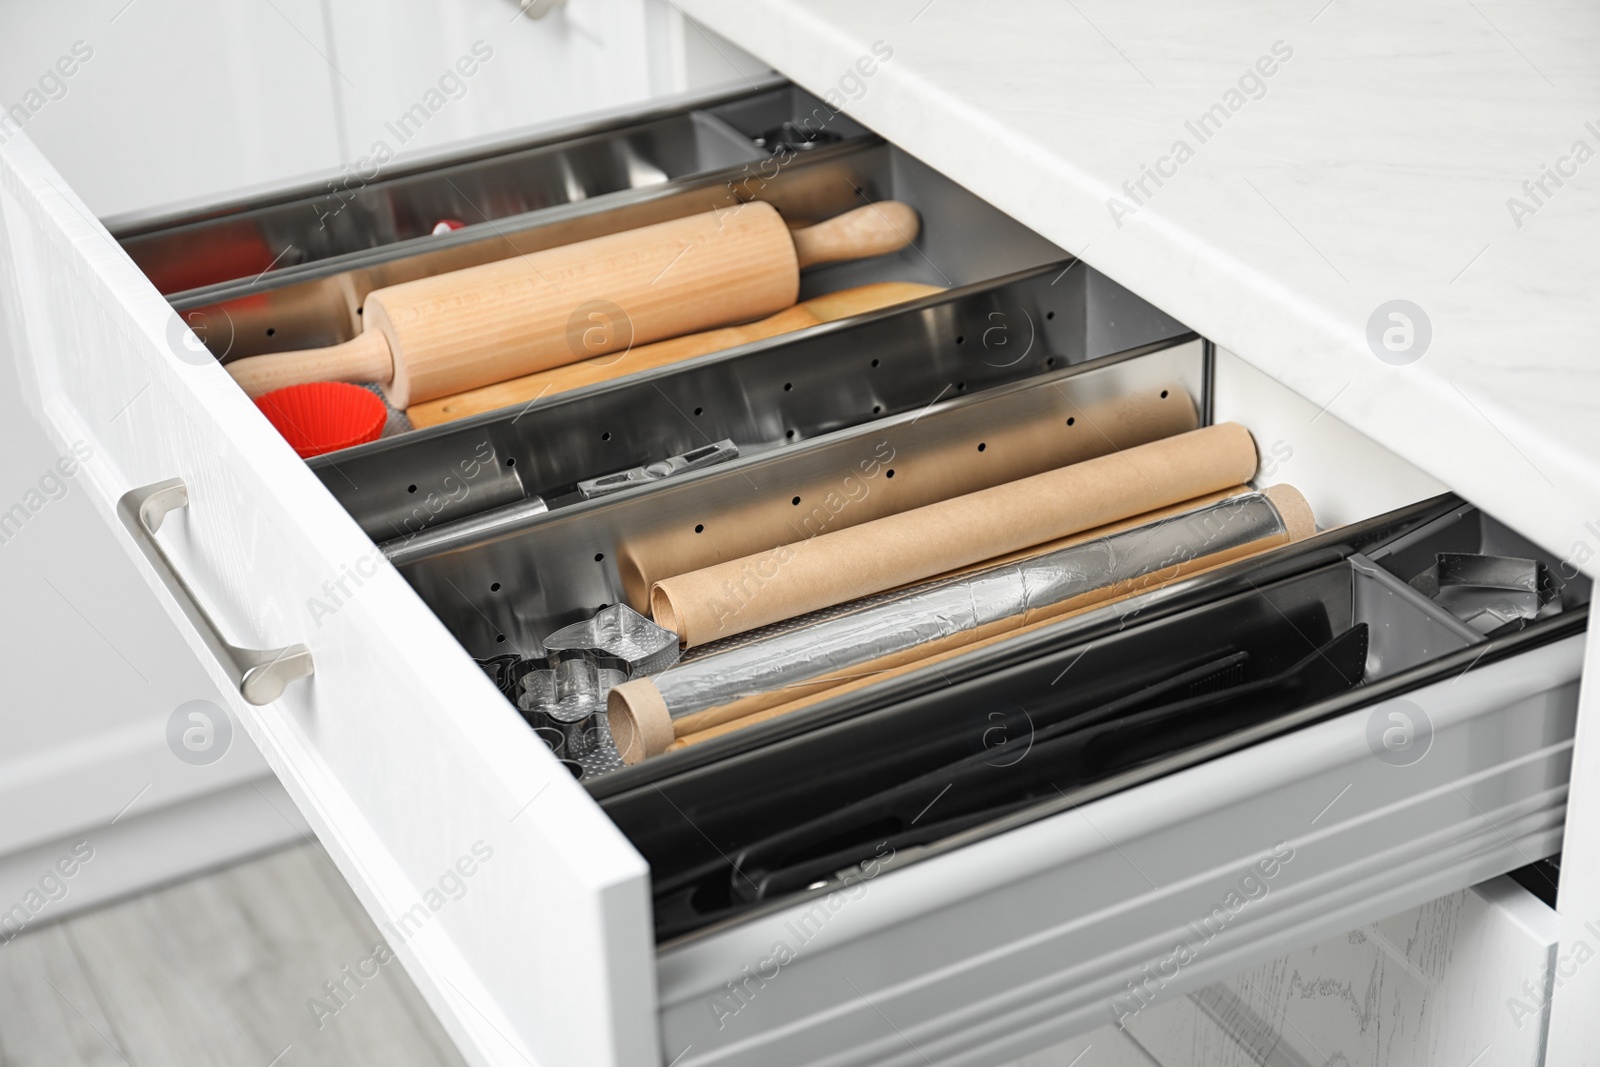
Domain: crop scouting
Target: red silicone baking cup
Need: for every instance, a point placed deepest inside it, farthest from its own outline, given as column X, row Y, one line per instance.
column 324, row 416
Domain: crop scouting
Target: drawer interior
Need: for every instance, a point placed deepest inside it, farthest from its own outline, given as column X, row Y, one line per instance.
column 375, row 204
column 993, row 739
column 963, row 239
column 1013, row 368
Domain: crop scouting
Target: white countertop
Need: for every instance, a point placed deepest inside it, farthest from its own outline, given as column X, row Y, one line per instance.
column 1375, row 163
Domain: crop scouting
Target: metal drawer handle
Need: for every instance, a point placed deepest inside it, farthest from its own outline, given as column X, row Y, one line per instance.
column 259, row 675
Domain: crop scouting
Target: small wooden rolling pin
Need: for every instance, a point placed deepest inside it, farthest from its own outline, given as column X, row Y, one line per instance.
column 530, row 387
column 436, row 336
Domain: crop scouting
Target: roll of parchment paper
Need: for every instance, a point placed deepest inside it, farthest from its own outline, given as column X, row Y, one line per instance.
column 1046, row 429
column 837, row 567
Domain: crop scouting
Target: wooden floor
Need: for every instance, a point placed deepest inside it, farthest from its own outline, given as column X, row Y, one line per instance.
column 226, row 969
column 229, row 970
column 268, row 964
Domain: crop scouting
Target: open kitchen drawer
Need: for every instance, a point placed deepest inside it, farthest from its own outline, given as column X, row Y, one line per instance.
column 509, row 888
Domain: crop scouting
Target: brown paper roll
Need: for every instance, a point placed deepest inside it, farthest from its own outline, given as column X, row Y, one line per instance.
column 646, row 730
column 1293, row 508
column 835, row 568
column 636, row 711
column 863, row 491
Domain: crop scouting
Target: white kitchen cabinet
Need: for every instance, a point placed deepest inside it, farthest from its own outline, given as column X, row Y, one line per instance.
column 410, row 765
column 1460, row 979
column 75, row 759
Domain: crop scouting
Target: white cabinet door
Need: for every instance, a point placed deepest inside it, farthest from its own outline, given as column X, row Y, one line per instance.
column 95, row 674
column 529, row 934
column 1459, row 980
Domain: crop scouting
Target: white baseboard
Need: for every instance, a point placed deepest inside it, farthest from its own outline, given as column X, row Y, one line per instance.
column 138, row 853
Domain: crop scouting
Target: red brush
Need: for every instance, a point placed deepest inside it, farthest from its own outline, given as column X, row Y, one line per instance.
column 324, row 416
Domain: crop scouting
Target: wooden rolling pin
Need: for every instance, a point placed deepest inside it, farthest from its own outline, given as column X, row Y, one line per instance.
column 829, row 308
column 437, row 336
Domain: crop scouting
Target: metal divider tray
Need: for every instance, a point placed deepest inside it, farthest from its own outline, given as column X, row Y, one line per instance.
column 383, row 213
column 500, row 591
column 319, row 302
column 409, row 493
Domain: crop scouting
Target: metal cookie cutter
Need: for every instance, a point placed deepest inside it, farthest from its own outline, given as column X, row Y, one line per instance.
column 1489, row 593
column 618, row 634
column 692, row 460
column 500, row 671
column 572, row 697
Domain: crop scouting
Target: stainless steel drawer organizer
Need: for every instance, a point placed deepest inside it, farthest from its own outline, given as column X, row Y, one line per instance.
column 519, row 548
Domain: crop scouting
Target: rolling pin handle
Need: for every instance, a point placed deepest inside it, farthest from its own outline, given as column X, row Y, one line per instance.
column 364, row 358
column 873, row 230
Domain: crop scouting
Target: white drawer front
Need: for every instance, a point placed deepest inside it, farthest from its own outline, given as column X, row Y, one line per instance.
column 520, row 908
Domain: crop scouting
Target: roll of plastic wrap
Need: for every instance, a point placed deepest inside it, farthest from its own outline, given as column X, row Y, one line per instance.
column 647, row 714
